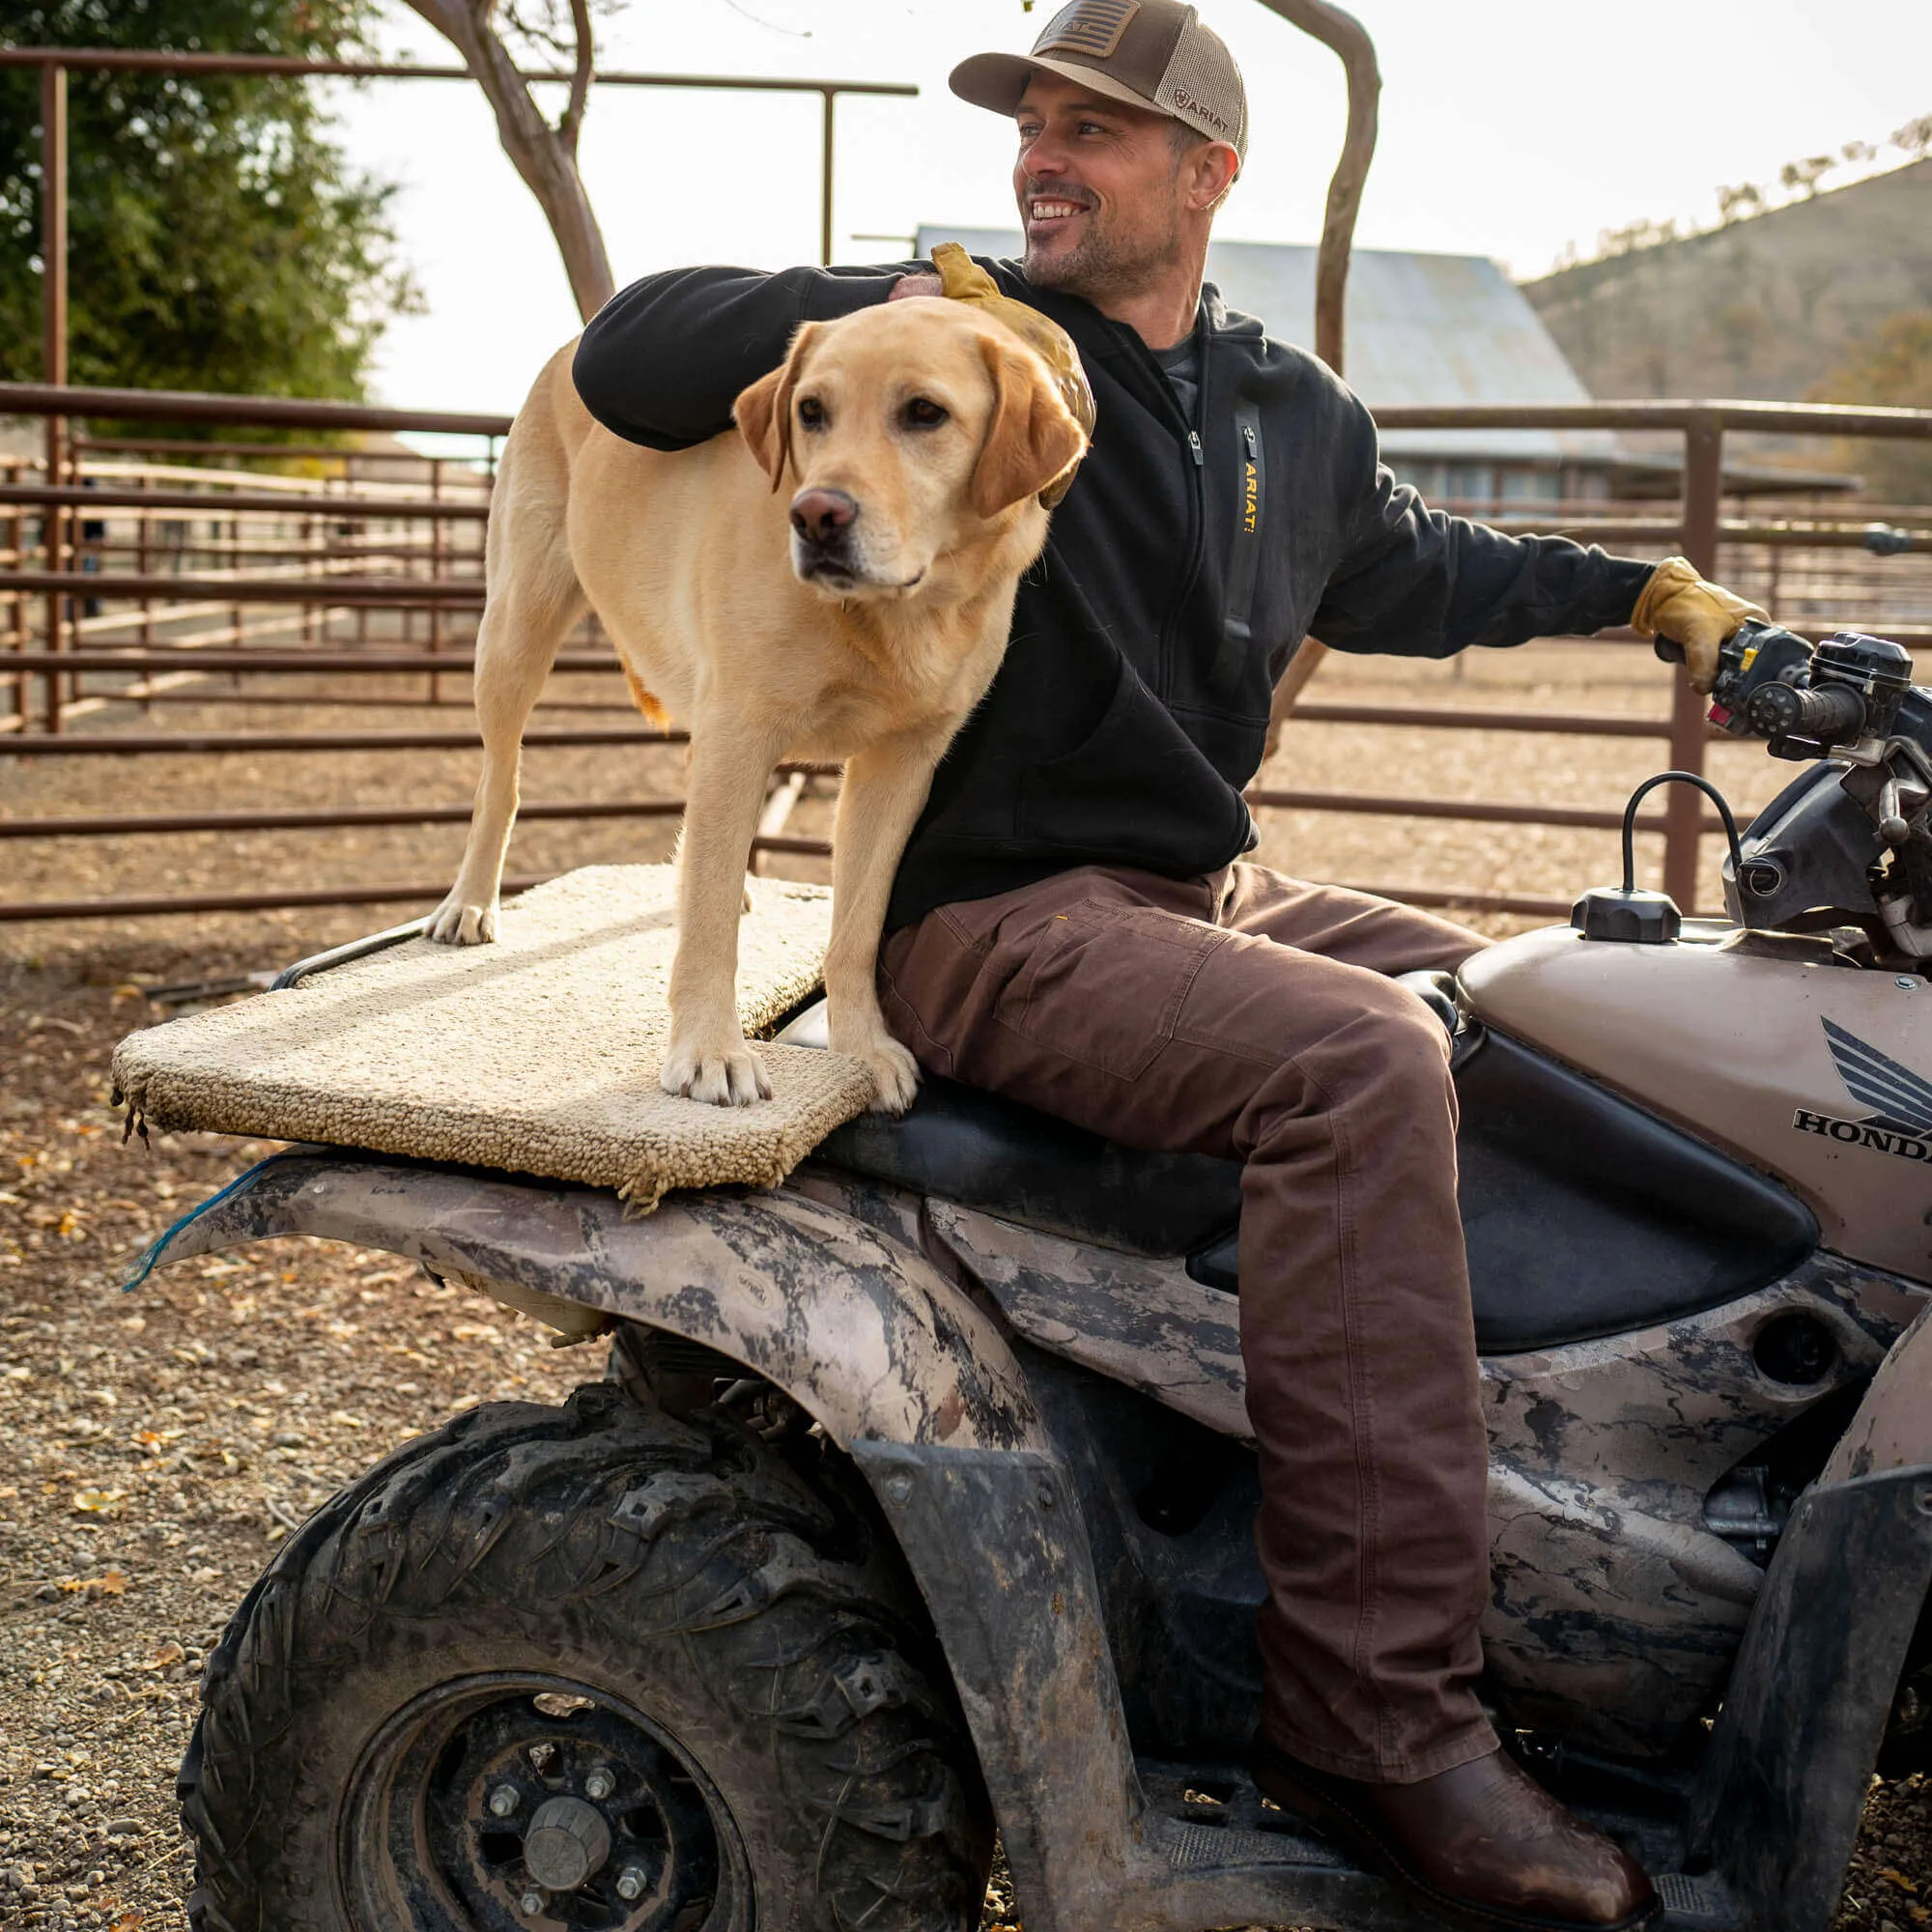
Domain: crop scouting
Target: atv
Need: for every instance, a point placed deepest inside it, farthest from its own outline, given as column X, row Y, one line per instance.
column 917, row 1499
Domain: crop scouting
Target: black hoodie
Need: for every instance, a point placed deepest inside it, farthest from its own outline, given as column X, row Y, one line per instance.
column 1180, row 574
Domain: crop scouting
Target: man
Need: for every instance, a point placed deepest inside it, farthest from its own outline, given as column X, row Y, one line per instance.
column 1071, row 924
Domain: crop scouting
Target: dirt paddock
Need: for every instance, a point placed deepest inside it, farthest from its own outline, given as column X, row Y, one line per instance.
column 160, row 1443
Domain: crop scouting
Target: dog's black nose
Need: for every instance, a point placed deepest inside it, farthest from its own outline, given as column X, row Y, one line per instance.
column 821, row 515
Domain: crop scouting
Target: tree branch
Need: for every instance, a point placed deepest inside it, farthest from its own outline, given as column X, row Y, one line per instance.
column 541, row 154
column 1348, row 39
column 572, row 124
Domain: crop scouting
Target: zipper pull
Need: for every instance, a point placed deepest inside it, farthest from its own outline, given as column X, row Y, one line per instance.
column 1248, row 433
column 1194, row 443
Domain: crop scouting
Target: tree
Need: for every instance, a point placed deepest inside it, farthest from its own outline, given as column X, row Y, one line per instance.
column 1893, row 367
column 217, row 239
column 1805, row 176
column 545, row 156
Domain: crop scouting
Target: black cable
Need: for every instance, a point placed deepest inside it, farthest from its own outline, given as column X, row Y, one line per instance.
column 1643, row 791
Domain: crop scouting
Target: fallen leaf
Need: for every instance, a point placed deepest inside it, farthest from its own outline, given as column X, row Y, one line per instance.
column 99, row 1502
column 169, row 1653
column 114, row 1583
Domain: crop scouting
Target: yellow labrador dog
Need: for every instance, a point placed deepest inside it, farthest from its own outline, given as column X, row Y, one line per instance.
column 857, row 615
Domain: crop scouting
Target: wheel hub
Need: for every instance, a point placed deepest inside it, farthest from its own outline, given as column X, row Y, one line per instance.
column 567, row 1841
column 480, row 1795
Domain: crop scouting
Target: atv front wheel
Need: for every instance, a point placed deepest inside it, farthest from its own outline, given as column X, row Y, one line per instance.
column 583, row 1668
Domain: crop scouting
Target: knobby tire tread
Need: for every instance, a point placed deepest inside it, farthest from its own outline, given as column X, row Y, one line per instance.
column 788, row 1601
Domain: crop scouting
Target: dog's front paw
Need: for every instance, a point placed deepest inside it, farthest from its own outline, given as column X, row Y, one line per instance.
column 894, row 1073
column 723, row 1073
column 459, row 921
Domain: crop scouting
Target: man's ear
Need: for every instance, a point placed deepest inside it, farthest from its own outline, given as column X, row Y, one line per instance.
column 763, row 411
column 1031, row 438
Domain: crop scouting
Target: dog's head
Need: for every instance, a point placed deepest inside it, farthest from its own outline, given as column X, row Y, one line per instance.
column 911, row 432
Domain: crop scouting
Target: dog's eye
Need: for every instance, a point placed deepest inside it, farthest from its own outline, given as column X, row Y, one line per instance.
column 811, row 412
column 922, row 412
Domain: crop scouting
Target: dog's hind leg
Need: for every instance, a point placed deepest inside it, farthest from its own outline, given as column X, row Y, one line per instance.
column 533, row 600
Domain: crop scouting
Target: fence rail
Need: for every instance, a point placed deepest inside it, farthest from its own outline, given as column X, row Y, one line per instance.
column 127, row 584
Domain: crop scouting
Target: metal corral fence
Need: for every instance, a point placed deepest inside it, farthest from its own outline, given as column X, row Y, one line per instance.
column 130, row 583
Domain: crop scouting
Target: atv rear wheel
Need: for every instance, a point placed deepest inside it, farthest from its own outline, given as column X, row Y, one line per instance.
column 585, row 1668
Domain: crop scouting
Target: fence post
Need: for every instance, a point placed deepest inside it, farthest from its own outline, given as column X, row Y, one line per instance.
column 54, row 338
column 1683, row 806
column 829, row 99
column 437, row 573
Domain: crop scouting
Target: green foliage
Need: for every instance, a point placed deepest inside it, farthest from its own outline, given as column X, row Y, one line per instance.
column 1894, row 368
column 217, row 239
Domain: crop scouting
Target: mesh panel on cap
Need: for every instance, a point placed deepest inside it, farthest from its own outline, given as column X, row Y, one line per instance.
column 1203, row 87
column 1090, row 29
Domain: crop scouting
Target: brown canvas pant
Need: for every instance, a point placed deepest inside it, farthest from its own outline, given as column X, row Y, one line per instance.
column 1248, row 1015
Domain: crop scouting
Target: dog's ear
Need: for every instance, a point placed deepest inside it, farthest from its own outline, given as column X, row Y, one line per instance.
column 763, row 411
column 1032, row 436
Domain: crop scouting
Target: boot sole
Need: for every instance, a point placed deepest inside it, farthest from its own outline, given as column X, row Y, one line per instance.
column 1357, row 1836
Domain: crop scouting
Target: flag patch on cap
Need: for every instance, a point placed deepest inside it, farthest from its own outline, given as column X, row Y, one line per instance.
column 1091, row 28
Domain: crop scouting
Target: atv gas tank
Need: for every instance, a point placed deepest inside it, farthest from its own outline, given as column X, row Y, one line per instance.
column 1762, row 1044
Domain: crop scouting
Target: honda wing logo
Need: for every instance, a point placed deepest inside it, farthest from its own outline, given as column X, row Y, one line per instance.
column 1901, row 1125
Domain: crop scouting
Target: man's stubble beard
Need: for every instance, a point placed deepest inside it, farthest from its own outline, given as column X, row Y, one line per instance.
column 1104, row 263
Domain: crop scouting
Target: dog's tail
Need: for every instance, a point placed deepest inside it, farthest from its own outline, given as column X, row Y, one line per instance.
column 654, row 712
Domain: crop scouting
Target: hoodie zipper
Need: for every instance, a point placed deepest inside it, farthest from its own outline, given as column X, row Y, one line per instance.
column 1197, row 500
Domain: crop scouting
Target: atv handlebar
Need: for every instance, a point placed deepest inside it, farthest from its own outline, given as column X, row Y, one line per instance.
column 1771, row 684
column 1826, row 717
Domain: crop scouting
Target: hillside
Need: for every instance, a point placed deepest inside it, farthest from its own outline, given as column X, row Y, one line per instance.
column 1768, row 307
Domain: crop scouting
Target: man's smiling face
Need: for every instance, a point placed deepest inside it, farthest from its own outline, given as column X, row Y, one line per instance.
column 1099, row 189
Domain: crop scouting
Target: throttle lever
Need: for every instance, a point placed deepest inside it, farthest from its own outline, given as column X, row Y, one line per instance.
column 1667, row 651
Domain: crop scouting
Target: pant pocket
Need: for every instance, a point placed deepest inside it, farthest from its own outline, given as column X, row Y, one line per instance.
column 1104, row 985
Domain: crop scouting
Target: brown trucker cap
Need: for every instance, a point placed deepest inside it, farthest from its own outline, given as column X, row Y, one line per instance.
column 1153, row 54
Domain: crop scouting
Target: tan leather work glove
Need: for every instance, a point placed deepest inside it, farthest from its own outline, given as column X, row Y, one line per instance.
column 1678, row 605
column 962, row 279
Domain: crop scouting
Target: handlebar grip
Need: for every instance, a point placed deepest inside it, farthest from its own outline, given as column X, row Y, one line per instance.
column 1828, row 714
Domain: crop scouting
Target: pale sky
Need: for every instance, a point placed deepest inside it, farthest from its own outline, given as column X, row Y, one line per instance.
column 1508, row 128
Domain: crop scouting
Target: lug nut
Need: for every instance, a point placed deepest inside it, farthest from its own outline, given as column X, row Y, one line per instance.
column 601, row 1782
column 631, row 1883
column 532, row 1903
column 503, row 1800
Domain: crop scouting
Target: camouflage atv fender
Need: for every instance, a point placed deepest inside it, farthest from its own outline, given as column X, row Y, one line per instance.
column 860, row 1332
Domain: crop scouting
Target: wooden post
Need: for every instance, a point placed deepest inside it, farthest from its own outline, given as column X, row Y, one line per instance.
column 1684, row 804
column 435, row 571
column 829, row 99
column 53, row 340
column 16, row 613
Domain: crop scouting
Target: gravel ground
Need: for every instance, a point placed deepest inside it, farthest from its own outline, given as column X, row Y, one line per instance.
column 163, row 1442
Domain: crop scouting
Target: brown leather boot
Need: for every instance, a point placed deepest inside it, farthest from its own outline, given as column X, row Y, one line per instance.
column 1483, row 1844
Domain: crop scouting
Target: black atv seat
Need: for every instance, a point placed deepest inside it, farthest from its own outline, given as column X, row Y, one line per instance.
column 1582, row 1214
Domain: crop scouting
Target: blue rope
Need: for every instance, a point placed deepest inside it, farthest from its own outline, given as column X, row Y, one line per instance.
column 151, row 1256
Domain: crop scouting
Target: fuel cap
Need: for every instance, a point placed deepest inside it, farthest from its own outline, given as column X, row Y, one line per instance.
column 1628, row 914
